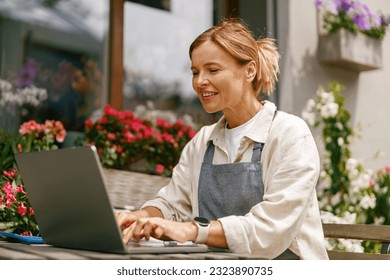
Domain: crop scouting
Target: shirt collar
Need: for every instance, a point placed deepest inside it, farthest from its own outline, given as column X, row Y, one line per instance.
column 259, row 131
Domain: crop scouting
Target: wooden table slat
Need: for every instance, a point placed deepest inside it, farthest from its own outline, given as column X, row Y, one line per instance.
column 9, row 250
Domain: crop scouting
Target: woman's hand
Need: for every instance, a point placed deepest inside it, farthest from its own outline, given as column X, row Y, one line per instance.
column 125, row 219
column 148, row 222
column 160, row 228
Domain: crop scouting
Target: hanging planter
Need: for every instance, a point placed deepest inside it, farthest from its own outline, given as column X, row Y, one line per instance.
column 352, row 51
column 350, row 34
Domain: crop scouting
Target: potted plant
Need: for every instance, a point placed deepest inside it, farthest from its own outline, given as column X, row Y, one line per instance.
column 16, row 213
column 352, row 37
column 128, row 142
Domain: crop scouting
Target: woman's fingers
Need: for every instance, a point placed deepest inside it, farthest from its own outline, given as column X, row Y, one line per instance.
column 148, row 230
column 153, row 227
column 125, row 219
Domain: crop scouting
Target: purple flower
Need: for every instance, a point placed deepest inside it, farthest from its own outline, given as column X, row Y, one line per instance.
column 343, row 6
column 361, row 22
column 318, row 3
column 360, row 8
column 352, row 15
column 331, row 7
column 27, row 74
column 386, row 20
column 376, row 20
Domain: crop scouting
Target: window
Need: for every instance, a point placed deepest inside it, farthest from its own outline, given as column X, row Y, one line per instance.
column 157, row 4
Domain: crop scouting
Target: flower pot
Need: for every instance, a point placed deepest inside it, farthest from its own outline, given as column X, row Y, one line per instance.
column 354, row 52
column 140, row 165
column 72, row 137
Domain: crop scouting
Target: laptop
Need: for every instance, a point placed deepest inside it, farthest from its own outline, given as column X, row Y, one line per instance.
column 66, row 189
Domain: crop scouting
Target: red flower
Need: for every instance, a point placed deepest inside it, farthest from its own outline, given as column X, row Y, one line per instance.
column 159, row 168
column 89, row 124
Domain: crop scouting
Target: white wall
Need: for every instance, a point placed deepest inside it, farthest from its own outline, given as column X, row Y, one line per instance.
column 157, row 42
column 367, row 93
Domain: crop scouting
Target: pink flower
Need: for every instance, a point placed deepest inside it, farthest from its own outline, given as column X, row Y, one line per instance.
column 103, row 120
column 159, row 168
column 10, row 174
column 89, row 124
column 168, row 137
column 22, row 210
column 30, row 127
column 111, row 136
column 32, row 213
column 119, row 149
column 20, row 189
column 8, row 188
column 60, row 137
column 129, row 137
column 179, row 123
column 191, row 134
column 109, row 111
column 162, row 123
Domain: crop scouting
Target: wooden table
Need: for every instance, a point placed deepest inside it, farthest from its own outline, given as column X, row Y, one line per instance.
column 123, row 189
column 19, row 251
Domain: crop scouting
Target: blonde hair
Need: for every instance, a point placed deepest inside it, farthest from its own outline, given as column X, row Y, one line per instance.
column 234, row 36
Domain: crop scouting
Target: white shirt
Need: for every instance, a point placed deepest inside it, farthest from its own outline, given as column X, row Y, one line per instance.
column 233, row 136
column 288, row 216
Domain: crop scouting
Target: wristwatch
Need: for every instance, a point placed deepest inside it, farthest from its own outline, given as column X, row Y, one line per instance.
column 203, row 225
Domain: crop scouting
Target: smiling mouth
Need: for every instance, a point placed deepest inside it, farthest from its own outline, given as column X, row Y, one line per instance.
column 208, row 95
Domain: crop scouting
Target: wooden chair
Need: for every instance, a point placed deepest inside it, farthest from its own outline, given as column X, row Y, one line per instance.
column 379, row 233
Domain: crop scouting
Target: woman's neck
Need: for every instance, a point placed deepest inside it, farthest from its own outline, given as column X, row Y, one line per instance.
column 240, row 116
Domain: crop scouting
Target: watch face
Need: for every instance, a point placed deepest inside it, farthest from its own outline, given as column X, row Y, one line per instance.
column 202, row 221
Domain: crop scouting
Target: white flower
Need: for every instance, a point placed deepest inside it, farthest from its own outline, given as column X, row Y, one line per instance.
column 351, row 164
column 379, row 220
column 339, row 125
column 329, row 110
column 368, row 201
column 310, row 105
column 349, row 218
column 335, row 199
column 5, row 85
column 326, row 97
column 309, row 117
column 340, row 141
column 352, row 245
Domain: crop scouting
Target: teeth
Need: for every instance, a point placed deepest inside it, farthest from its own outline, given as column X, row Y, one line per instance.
column 206, row 94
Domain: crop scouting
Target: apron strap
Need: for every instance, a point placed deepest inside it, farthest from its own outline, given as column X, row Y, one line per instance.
column 209, row 155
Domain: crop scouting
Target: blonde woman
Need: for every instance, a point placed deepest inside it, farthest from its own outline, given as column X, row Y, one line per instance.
column 247, row 182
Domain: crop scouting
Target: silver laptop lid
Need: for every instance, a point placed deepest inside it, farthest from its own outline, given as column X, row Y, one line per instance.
column 67, row 192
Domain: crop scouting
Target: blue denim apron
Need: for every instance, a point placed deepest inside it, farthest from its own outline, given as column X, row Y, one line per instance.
column 233, row 188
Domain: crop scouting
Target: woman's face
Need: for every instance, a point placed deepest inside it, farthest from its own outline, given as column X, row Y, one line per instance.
column 219, row 81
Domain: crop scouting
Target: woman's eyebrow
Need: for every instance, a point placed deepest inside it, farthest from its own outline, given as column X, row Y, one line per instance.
column 206, row 64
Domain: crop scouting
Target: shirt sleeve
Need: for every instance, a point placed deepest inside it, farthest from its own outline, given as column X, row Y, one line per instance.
column 272, row 225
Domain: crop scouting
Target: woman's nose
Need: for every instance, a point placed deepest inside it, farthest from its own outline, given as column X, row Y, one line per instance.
column 202, row 80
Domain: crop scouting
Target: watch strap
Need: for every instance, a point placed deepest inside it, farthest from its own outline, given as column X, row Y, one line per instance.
column 203, row 231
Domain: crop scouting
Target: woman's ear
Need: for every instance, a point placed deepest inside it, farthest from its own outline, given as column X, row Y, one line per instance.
column 250, row 71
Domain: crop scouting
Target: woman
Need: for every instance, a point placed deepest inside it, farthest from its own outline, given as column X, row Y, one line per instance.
column 246, row 183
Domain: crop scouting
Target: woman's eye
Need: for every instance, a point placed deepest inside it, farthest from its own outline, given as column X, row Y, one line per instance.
column 213, row 70
column 195, row 73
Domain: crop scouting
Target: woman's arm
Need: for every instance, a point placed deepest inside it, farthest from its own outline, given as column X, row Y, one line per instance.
column 157, row 227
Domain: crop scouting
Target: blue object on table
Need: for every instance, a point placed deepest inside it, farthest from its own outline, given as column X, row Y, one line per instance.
column 27, row 239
